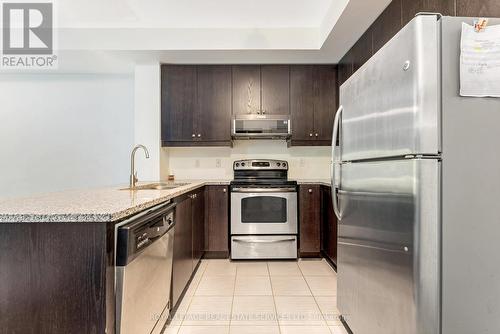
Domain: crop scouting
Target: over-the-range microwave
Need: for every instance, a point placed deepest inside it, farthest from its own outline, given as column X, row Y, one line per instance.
column 260, row 126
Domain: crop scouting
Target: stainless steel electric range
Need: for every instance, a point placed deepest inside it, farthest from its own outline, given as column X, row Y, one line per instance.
column 263, row 211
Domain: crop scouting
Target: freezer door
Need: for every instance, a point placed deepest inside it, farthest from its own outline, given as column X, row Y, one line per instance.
column 391, row 104
column 388, row 247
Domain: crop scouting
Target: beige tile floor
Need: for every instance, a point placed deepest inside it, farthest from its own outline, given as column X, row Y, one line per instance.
column 259, row 297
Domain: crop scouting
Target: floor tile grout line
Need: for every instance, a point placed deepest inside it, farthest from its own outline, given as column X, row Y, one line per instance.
column 274, row 298
column 232, row 300
column 314, row 298
column 194, row 293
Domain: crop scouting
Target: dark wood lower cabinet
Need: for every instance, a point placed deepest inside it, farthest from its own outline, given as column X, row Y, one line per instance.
column 328, row 226
column 183, row 242
column 309, row 220
column 317, row 223
column 198, row 221
column 56, row 278
column 217, row 221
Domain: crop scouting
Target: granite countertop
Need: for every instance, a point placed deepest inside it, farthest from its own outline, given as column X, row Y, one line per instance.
column 91, row 205
column 99, row 205
column 323, row 182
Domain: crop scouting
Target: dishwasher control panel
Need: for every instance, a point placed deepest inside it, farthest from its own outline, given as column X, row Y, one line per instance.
column 134, row 237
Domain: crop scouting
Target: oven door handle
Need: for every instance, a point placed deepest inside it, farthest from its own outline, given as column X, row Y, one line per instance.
column 272, row 241
column 264, row 190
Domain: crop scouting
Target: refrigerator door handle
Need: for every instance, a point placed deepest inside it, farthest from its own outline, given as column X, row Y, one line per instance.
column 336, row 124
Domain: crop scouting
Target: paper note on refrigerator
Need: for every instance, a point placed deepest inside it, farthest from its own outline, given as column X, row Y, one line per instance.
column 480, row 61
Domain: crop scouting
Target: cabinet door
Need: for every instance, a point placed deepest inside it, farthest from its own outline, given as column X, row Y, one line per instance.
column 183, row 248
column 198, row 218
column 329, row 225
column 217, row 219
column 213, row 112
column 301, row 102
column 275, row 81
column 178, row 94
column 310, row 220
column 246, row 89
column 325, row 101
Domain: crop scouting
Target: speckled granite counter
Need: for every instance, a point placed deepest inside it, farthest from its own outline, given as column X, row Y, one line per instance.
column 91, row 205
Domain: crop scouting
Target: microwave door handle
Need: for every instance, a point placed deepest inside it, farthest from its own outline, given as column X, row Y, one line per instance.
column 336, row 124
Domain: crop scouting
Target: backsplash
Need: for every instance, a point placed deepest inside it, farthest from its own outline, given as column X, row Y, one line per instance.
column 217, row 162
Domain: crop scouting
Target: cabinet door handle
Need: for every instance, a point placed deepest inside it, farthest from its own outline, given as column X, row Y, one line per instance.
column 224, row 190
column 316, row 134
column 310, row 190
column 310, row 135
column 193, row 135
column 199, row 135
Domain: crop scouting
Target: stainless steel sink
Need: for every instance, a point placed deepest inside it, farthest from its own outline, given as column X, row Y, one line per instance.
column 157, row 186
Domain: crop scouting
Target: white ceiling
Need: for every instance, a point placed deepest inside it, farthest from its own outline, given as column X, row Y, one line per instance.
column 193, row 13
column 101, row 35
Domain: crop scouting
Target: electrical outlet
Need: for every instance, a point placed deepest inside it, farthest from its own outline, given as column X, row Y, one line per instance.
column 197, row 163
column 217, row 163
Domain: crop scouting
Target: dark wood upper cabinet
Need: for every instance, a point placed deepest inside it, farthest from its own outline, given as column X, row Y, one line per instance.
column 275, row 89
column 482, row 8
column 345, row 68
column 301, row 102
column 309, row 220
column 444, row 7
column 196, row 105
column 246, row 89
column 362, row 50
column 217, row 221
column 325, row 101
column 213, row 112
column 387, row 25
column 178, row 96
column 313, row 98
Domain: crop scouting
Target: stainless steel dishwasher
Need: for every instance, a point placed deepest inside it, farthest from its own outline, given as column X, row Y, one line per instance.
column 144, row 249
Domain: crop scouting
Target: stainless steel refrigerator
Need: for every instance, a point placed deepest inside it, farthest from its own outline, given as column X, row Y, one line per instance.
column 417, row 190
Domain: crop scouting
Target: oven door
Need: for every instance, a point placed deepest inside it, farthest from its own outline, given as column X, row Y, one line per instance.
column 263, row 211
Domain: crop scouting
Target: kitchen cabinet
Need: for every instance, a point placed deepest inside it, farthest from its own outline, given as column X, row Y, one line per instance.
column 313, row 101
column 478, row 8
column 309, row 220
column 183, row 247
column 246, row 89
column 195, row 105
column 217, row 221
column 275, row 83
column 328, row 226
column 198, row 221
column 178, row 96
column 213, row 111
column 261, row 89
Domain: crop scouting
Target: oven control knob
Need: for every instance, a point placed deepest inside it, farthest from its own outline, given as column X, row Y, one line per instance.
column 242, row 164
column 278, row 164
column 284, row 164
column 237, row 164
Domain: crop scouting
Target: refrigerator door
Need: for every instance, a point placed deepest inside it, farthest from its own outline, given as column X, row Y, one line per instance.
column 391, row 104
column 388, row 246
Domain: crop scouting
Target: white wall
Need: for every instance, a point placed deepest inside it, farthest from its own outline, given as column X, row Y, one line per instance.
column 64, row 131
column 147, row 120
column 201, row 162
